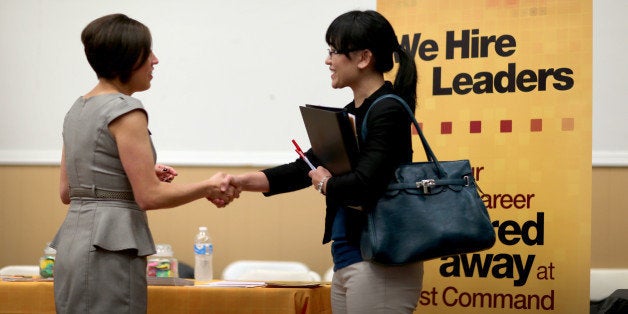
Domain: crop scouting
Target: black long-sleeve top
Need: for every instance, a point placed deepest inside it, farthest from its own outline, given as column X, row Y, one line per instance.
column 387, row 145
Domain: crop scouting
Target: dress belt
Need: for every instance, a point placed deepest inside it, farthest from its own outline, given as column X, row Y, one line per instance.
column 99, row 193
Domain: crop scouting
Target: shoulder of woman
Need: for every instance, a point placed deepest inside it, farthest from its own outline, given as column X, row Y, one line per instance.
column 131, row 101
column 386, row 106
column 124, row 104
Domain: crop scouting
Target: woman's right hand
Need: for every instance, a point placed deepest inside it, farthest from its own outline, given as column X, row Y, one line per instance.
column 222, row 189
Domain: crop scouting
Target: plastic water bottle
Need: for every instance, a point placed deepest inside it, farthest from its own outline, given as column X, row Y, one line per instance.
column 203, row 253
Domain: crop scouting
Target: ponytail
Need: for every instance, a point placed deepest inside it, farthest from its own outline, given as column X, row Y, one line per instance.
column 406, row 78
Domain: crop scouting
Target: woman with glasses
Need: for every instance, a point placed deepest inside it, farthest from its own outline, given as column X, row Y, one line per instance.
column 362, row 47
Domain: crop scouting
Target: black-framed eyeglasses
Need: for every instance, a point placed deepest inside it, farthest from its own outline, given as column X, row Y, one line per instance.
column 332, row 51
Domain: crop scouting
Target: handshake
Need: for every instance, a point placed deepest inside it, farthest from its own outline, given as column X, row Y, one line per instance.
column 222, row 189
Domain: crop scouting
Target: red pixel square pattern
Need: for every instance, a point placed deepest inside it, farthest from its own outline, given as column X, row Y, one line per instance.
column 505, row 126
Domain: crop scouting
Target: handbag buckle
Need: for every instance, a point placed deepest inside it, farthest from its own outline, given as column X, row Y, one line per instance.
column 426, row 185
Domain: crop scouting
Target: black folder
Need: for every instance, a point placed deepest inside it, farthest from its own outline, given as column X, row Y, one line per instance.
column 332, row 136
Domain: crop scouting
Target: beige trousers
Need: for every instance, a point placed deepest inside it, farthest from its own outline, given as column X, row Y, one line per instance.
column 367, row 287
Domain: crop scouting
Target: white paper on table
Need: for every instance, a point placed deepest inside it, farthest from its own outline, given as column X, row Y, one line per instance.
column 227, row 283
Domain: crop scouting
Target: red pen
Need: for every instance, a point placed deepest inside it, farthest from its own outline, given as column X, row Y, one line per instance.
column 300, row 152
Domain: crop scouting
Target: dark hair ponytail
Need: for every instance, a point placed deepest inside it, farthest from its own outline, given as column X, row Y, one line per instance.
column 369, row 29
column 406, row 79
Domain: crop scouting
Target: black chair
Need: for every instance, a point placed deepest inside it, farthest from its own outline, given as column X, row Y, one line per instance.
column 186, row 271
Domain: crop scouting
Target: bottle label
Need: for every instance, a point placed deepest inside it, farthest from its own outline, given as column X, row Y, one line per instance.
column 204, row 248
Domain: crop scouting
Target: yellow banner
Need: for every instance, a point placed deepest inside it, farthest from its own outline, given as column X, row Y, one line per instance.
column 507, row 84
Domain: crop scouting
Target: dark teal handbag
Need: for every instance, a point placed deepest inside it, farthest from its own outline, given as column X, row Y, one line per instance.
column 431, row 209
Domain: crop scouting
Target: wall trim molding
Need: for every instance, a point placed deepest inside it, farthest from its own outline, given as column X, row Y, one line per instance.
column 234, row 158
column 610, row 159
column 174, row 158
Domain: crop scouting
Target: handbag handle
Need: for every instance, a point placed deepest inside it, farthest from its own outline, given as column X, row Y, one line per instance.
column 428, row 150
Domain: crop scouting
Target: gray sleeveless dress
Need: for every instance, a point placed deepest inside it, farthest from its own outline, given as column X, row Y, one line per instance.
column 103, row 242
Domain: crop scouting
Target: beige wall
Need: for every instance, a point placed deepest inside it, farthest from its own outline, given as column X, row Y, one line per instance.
column 284, row 227
column 609, row 218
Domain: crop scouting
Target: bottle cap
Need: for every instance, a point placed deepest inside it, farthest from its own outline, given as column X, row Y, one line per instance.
column 203, row 228
column 48, row 250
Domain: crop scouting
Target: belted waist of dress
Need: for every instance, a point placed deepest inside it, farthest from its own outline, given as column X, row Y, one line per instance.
column 95, row 192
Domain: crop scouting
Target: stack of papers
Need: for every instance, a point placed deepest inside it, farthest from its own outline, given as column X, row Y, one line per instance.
column 20, row 278
column 168, row 281
column 241, row 284
column 251, row 284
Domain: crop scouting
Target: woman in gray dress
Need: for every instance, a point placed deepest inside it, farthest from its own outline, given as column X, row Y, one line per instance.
column 109, row 177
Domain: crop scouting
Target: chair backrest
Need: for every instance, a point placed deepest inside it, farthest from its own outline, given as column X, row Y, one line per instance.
column 255, row 270
column 329, row 274
column 604, row 281
column 19, row 270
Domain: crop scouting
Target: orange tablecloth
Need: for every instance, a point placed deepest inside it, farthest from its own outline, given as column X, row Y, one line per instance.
column 37, row 297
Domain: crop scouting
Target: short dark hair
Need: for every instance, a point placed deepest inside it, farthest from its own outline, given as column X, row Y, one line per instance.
column 115, row 45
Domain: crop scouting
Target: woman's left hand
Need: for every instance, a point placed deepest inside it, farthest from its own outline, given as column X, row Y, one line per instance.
column 165, row 173
column 319, row 174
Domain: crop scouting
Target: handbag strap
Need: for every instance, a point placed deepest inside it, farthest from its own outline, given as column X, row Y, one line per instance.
column 428, row 150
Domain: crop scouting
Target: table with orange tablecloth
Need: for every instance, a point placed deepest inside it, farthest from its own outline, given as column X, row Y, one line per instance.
column 37, row 297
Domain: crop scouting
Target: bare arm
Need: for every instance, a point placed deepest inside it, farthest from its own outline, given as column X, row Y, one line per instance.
column 252, row 181
column 131, row 135
column 64, row 188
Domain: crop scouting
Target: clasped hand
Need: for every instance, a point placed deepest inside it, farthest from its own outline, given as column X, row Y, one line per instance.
column 223, row 189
